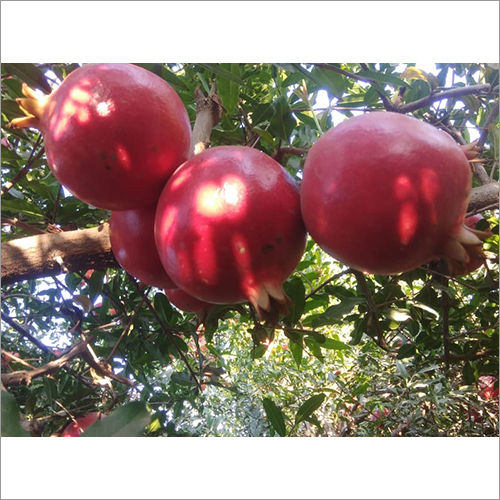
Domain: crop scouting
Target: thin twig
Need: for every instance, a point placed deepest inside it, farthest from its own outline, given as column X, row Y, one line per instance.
column 25, row 333
column 126, row 329
column 329, row 280
column 445, row 94
column 25, row 376
column 16, row 222
column 24, row 170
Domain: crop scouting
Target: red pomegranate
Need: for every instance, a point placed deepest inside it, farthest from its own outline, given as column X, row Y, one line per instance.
column 185, row 302
column 228, row 227
column 487, row 387
column 74, row 429
column 385, row 193
column 113, row 133
column 133, row 243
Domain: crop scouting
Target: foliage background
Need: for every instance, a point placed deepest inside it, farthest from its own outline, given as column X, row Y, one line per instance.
column 334, row 352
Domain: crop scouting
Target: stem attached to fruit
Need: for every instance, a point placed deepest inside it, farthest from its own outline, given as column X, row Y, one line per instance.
column 208, row 113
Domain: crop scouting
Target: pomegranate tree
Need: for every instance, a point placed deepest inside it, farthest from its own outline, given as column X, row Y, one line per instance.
column 386, row 193
column 133, row 243
column 113, row 133
column 228, row 227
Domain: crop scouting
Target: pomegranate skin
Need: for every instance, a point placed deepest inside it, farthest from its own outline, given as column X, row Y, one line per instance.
column 133, row 243
column 114, row 133
column 384, row 192
column 185, row 302
column 228, row 227
column 74, row 429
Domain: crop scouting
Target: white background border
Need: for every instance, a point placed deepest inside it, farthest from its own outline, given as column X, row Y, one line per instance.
column 250, row 32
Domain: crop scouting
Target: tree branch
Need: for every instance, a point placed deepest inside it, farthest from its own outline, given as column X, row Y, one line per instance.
column 437, row 96
column 53, row 253
column 25, row 376
column 483, row 196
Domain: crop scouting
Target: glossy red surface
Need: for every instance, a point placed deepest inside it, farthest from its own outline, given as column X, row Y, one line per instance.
column 228, row 222
column 75, row 429
column 134, row 247
column 381, row 192
column 185, row 302
column 114, row 133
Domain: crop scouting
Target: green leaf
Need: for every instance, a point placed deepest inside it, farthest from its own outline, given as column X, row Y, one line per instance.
column 265, row 136
column 126, row 421
column 72, row 280
column 297, row 352
column 315, row 347
column 11, row 110
column 162, row 307
column 309, row 407
column 29, row 74
column 406, row 351
column 334, row 313
column 229, row 89
column 275, row 416
column 334, row 344
column 401, row 369
column 258, row 351
column 218, row 70
column 17, row 206
column 296, row 291
column 334, row 82
column 11, row 426
column 383, row 78
column 282, row 123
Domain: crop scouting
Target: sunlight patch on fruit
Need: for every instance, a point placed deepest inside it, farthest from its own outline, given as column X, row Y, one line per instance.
column 74, row 107
column 105, row 108
column 407, row 223
column 123, row 157
column 429, row 184
column 224, row 199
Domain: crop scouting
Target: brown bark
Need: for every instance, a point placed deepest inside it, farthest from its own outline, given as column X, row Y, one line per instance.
column 208, row 113
column 54, row 253
column 482, row 197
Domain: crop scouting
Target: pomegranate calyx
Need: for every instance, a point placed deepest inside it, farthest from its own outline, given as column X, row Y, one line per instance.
column 268, row 299
column 32, row 106
column 463, row 247
column 471, row 150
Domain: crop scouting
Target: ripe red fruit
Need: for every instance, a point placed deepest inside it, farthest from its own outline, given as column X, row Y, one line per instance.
column 113, row 133
column 487, row 387
column 185, row 302
column 74, row 429
column 133, row 243
column 228, row 227
column 385, row 193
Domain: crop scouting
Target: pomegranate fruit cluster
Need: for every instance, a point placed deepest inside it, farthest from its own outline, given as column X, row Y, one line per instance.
column 382, row 192
column 227, row 227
